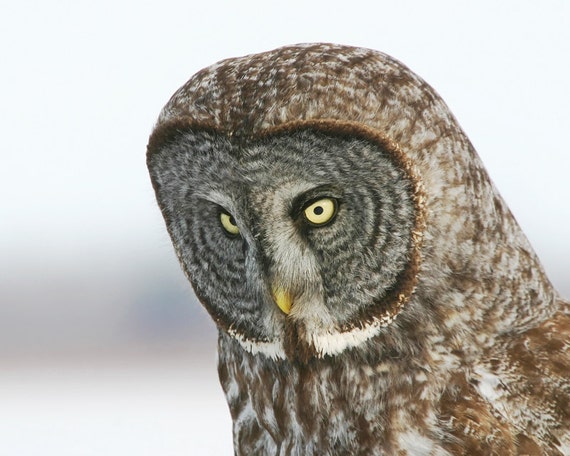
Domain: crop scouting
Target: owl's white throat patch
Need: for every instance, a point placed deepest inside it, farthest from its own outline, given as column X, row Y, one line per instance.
column 334, row 343
column 330, row 343
column 271, row 349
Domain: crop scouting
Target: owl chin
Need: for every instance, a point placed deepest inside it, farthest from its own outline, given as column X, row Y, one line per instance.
column 301, row 349
column 302, row 342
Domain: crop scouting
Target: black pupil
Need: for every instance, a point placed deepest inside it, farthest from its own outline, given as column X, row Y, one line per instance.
column 232, row 220
column 318, row 210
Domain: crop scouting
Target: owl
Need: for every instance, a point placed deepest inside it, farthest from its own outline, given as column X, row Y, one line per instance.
column 372, row 291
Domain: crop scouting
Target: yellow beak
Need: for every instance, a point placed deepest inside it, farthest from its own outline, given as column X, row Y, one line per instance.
column 283, row 299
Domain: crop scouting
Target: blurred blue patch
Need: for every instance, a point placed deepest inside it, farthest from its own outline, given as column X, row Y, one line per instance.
column 169, row 310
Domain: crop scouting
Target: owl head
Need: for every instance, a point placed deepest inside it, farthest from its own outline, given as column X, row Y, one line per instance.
column 320, row 196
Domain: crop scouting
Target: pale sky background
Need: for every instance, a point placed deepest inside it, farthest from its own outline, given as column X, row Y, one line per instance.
column 102, row 348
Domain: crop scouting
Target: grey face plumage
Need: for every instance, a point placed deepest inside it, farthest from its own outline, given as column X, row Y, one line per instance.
column 244, row 218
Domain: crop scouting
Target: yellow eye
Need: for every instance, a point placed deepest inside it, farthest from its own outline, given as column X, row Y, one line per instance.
column 229, row 223
column 321, row 211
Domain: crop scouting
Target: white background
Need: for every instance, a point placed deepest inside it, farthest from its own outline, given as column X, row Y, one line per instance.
column 103, row 349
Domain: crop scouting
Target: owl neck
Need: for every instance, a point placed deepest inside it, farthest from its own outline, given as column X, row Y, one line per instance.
column 362, row 393
column 485, row 282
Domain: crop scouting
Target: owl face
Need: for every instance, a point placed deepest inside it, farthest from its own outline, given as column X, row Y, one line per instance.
column 297, row 242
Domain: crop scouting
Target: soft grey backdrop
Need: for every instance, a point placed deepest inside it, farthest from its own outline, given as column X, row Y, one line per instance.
column 103, row 349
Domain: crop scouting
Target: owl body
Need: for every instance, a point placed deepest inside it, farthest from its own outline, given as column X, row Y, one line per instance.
column 373, row 293
column 419, row 404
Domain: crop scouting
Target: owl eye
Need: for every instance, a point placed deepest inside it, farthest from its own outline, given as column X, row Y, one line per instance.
column 229, row 223
column 320, row 212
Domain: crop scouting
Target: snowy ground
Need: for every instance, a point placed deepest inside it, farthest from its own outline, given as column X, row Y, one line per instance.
column 151, row 407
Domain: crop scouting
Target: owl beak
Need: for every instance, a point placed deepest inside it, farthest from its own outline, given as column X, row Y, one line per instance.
column 282, row 298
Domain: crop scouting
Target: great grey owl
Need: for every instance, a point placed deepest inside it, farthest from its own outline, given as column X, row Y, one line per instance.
column 373, row 293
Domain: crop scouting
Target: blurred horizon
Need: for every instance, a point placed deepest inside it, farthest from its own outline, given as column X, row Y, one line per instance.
column 139, row 305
